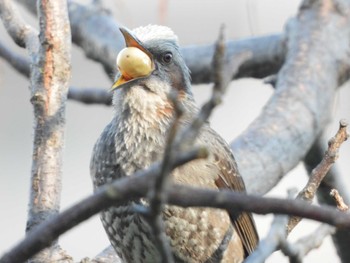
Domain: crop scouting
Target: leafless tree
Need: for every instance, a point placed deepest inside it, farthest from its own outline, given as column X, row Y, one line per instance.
column 308, row 62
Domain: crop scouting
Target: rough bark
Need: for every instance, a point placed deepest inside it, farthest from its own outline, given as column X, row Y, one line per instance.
column 318, row 44
column 49, row 55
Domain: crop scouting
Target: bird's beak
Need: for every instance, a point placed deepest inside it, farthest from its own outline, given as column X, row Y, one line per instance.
column 134, row 61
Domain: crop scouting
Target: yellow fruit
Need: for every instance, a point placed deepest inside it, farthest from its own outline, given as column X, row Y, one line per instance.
column 133, row 63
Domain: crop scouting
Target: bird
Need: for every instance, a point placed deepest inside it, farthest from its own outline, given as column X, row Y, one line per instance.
column 150, row 67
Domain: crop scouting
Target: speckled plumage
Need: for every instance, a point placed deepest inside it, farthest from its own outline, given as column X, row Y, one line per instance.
column 135, row 138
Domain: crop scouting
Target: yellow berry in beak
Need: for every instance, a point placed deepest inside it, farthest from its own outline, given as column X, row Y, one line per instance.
column 133, row 63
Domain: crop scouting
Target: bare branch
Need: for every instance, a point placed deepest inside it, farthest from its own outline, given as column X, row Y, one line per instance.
column 339, row 200
column 159, row 193
column 20, row 63
column 136, row 186
column 298, row 250
column 301, row 105
column 304, row 245
column 317, row 175
column 271, row 242
column 90, row 95
column 331, row 181
column 20, row 32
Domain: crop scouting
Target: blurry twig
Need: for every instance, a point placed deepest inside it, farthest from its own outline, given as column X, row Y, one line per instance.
column 339, row 200
column 224, row 69
column 317, row 175
column 299, row 249
column 271, row 242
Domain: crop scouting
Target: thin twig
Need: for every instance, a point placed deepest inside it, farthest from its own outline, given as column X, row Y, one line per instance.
column 18, row 62
column 298, row 250
column 20, row 31
column 339, row 200
column 317, row 175
column 90, row 95
column 271, row 242
column 159, row 193
column 224, row 69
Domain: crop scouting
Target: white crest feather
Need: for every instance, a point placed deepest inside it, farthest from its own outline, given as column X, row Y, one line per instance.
column 149, row 32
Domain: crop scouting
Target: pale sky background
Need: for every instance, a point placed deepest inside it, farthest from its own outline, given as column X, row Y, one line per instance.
column 195, row 22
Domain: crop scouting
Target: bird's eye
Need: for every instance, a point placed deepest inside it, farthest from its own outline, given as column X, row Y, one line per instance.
column 167, row 57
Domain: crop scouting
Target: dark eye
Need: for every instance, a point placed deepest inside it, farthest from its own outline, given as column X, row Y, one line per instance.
column 167, row 57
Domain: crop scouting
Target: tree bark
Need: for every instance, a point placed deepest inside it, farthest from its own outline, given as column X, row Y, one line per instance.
column 317, row 53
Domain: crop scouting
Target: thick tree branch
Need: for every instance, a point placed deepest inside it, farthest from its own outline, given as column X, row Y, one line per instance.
column 49, row 76
column 301, row 105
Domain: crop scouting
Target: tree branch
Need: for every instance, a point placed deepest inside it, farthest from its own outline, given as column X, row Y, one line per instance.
column 18, row 62
column 301, row 105
column 317, row 175
column 271, row 242
column 331, row 181
column 138, row 185
column 298, row 250
column 49, row 76
column 20, row 32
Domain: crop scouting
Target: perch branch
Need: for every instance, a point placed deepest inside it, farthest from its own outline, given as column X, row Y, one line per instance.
column 136, row 186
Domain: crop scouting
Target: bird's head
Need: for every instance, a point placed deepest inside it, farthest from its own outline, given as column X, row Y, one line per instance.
column 150, row 68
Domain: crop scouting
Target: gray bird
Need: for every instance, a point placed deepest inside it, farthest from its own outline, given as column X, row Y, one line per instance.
column 149, row 69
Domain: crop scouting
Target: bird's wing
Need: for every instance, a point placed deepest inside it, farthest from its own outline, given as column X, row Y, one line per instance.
column 103, row 166
column 228, row 177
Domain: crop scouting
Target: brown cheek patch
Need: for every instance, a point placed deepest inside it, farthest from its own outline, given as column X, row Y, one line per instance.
column 166, row 111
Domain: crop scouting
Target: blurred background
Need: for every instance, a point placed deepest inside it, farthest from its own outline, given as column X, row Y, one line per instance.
column 195, row 22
